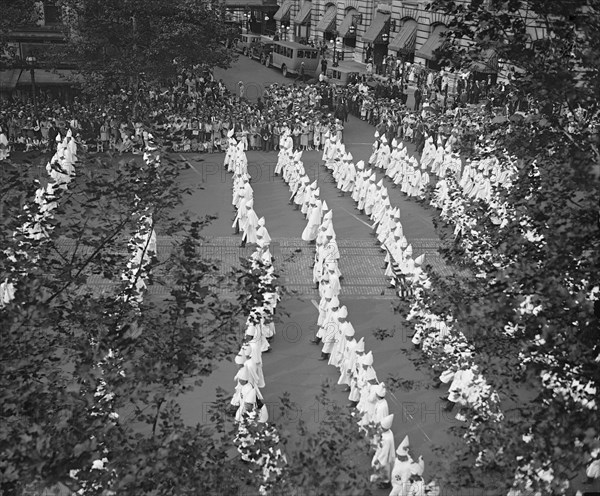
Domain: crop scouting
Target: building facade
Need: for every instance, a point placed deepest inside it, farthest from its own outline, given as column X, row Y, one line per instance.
column 25, row 68
column 363, row 32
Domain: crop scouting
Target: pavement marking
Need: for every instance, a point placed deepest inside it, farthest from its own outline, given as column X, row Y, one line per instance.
column 407, row 416
column 359, row 220
column 190, row 164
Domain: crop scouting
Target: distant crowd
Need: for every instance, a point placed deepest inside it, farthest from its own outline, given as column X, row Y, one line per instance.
column 196, row 112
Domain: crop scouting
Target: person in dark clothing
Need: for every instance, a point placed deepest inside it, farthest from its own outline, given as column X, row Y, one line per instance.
column 418, row 97
column 324, row 67
column 52, row 133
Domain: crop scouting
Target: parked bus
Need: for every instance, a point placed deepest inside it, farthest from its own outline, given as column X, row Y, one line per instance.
column 288, row 55
column 246, row 41
column 261, row 51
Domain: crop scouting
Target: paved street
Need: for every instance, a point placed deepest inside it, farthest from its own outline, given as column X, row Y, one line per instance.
column 292, row 366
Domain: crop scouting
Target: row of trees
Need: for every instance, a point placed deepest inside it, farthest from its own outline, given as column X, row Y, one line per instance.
column 547, row 293
column 64, row 339
column 118, row 44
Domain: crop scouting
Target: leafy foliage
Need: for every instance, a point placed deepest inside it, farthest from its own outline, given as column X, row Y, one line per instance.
column 119, row 44
column 546, row 257
column 331, row 459
column 59, row 328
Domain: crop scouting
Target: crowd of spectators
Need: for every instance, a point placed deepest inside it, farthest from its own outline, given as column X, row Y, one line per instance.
column 196, row 112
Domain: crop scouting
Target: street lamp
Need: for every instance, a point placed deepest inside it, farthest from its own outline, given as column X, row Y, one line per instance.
column 336, row 53
column 265, row 20
column 284, row 31
column 247, row 16
column 31, row 60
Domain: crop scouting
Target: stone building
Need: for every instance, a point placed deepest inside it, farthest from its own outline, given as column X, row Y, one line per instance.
column 363, row 31
column 25, row 70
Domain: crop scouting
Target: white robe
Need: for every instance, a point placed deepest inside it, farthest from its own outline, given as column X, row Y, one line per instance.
column 385, row 454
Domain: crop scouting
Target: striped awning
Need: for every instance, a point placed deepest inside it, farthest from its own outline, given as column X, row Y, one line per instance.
column 377, row 26
column 406, row 38
column 434, row 41
column 45, row 77
column 8, row 79
column 487, row 63
column 327, row 22
column 347, row 22
column 283, row 14
column 303, row 16
column 244, row 4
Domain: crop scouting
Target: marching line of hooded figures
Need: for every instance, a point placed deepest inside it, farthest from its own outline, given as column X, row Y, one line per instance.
column 476, row 180
column 393, row 467
column 61, row 169
column 259, row 327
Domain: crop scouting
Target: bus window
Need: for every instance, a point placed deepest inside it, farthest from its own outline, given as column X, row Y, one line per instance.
column 300, row 54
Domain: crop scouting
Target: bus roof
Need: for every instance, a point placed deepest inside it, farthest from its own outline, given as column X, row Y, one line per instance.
column 293, row 44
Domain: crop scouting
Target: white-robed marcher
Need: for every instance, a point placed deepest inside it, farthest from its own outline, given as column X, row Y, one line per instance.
column 328, row 305
column 373, row 195
column 367, row 379
column 240, row 216
column 346, row 331
column 324, row 286
column 346, row 181
column 239, row 359
column 329, row 328
column 331, row 267
column 255, row 371
column 327, row 252
column 4, row 148
column 349, row 366
column 363, row 373
column 326, row 296
column 314, row 221
column 71, row 149
column 247, row 395
column 250, row 224
column 358, row 180
column 383, row 155
column 302, row 190
column 256, row 341
column 243, row 191
column 383, row 459
column 376, row 406
column 593, row 469
column 308, row 197
column 262, row 235
column 402, row 471
column 368, row 190
column 7, row 293
column 231, row 149
column 379, row 208
column 285, row 155
column 389, row 223
column 374, row 147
